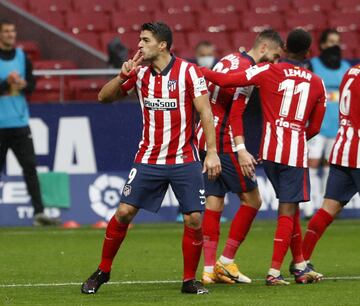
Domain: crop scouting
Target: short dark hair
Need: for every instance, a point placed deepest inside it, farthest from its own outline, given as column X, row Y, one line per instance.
column 298, row 41
column 161, row 32
column 269, row 34
column 325, row 34
column 5, row 21
column 204, row 43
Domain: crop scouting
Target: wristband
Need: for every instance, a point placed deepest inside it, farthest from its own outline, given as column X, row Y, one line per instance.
column 123, row 76
column 239, row 147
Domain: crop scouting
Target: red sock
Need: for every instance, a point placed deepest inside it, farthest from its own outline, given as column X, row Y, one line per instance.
column 285, row 226
column 211, row 232
column 239, row 228
column 316, row 227
column 191, row 247
column 296, row 240
column 115, row 234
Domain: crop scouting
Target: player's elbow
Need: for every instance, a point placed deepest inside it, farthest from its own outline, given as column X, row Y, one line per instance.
column 102, row 98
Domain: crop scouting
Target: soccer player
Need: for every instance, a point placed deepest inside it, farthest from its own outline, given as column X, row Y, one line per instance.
column 293, row 102
column 228, row 105
column 169, row 90
column 344, row 176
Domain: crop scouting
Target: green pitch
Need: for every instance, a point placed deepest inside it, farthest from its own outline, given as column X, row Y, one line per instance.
column 46, row 267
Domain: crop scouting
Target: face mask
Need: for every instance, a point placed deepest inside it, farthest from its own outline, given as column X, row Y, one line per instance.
column 331, row 57
column 206, row 61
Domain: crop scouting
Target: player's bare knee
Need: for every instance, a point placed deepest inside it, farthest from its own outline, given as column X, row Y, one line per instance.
column 332, row 207
column 287, row 209
column 125, row 213
column 252, row 198
column 215, row 203
column 193, row 220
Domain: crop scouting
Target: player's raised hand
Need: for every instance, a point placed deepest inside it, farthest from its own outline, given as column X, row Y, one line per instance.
column 212, row 165
column 130, row 67
column 247, row 163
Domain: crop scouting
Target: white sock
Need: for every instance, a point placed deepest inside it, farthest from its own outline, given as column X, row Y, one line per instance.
column 209, row 269
column 274, row 272
column 226, row 261
column 300, row 265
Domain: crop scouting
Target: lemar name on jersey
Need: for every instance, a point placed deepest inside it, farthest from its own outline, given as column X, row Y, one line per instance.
column 166, row 104
column 297, row 72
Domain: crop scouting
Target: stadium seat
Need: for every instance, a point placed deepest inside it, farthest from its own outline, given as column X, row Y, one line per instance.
column 31, row 49
column 226, row 6
column 138, row 5
column 307, row 6
column 348, row 6
column 243, row 40
column 219, row 22
column 220, row 40
column 47, row 90
column 90, row 22
column 50, row 5
column 20, row 3
column 129, row 21
column 349, row 41
column 177, row 22
column 309, row 21
column 56, row 18
column 179, row 6
column 348, row 53
column 90, row 39
column 269, row 6
column 54, row 64
column 86, row 89
column 180, row 44
column 258, row 22
column 86, row 6
column 344, row 22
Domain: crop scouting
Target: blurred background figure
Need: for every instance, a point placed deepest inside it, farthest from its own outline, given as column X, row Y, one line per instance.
column 117, row 52
column 205, row 54
column 16, row 80
column 330, row 66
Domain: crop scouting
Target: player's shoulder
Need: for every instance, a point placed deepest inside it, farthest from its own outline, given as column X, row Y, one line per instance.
column 237, row 62
column 353, row 71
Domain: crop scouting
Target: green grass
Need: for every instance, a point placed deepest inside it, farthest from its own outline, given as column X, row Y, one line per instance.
column 153, row 253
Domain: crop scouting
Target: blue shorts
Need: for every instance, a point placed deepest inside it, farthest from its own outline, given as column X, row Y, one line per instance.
column 147, row 185
column 342, row 183
column 291, row 184
column 231, row 178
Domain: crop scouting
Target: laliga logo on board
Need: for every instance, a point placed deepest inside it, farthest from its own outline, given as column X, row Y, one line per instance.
column 105, row 194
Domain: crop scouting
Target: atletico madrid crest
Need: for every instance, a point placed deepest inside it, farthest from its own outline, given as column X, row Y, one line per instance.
column 172, row 85
column 127, row 190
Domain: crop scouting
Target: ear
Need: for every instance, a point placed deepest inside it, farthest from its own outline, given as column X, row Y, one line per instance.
column 163, row 45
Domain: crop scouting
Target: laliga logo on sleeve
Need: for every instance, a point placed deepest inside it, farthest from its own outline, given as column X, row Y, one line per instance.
column 202, row 196
column 105, row 194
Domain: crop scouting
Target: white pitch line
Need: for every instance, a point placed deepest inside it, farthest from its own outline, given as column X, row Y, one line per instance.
column 144, row 282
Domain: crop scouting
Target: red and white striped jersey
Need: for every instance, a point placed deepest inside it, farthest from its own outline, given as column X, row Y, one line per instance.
column 221, row 100
column 166, row 100
column 293, row 102
column 346, row 149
